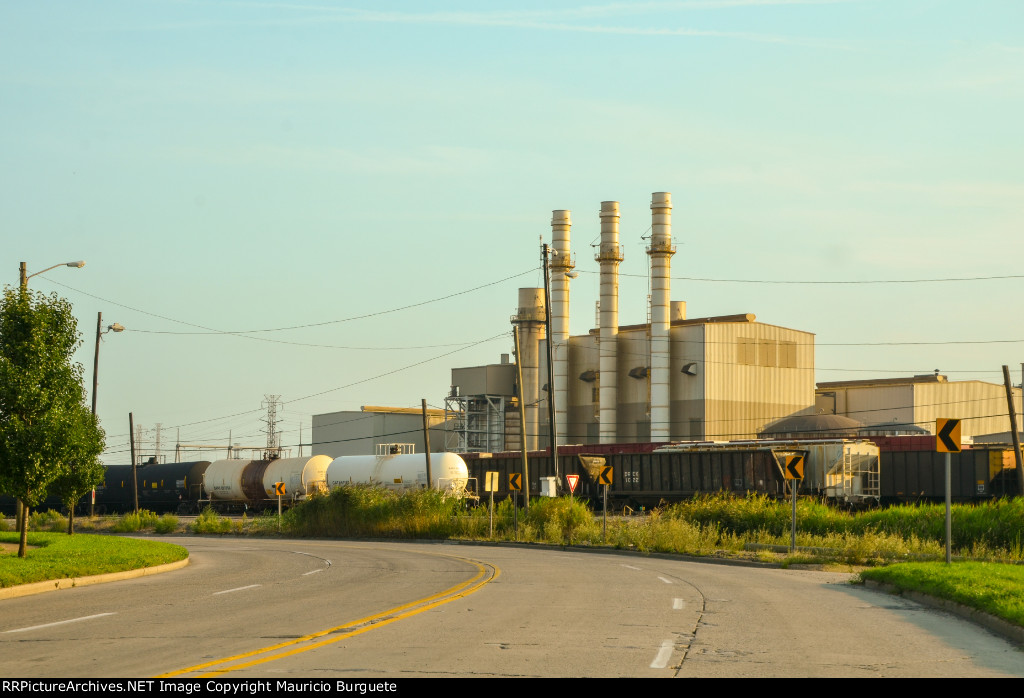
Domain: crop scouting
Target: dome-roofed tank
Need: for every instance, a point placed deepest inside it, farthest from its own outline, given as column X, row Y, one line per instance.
column 813, row 426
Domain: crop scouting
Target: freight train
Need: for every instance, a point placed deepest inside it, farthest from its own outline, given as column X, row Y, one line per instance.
column 241, row 485
column 849, row 472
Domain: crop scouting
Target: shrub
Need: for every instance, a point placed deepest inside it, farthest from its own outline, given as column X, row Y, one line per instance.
column 209, row 521
column 168, row 523
column 135, row 521
column 50, row 521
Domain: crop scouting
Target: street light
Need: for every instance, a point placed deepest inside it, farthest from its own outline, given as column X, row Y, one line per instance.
column 96, row 356
column 116, row 327
column 24, row 276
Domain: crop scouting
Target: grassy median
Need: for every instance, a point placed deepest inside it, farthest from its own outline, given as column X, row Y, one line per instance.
column 59, row 556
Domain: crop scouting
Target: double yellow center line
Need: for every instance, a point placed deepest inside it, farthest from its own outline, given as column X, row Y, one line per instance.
column 217, row 667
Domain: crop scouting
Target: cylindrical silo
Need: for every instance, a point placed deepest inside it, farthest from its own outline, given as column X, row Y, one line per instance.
column 530, row 317
column 660, row 251
column 609, row 258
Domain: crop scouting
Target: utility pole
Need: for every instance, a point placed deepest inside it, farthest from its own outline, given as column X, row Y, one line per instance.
column 551, row 376
column 135, row 480
column 426, row 442
column 522, row 416
column 1013, row 427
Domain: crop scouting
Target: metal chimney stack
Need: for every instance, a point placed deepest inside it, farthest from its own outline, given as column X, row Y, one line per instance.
column 530, row 317
column 609, row 258
column 559, row 268
column 660, row 251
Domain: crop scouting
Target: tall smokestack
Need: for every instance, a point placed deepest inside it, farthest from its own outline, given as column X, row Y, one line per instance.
column 609, row 257
column 660, row 251
column 530, row 317
column 560, row 267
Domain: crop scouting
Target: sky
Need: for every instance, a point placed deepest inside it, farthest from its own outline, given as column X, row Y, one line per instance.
column 336, row 202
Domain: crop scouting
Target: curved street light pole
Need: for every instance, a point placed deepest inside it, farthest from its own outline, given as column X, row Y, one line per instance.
column 24, row 276
column 96, row 356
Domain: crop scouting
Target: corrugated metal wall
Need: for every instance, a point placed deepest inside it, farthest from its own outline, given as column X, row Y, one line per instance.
column 755, row 374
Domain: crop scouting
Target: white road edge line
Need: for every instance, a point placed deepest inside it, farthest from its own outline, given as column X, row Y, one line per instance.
column 630, row 567
column 677, row 604
column 664, row 579
column 228, row 591
column 313, row 571
column 61, row 622
column 664, row 654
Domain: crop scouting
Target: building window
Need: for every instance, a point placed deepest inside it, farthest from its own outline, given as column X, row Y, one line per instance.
column 787, row 354
column 746, row 351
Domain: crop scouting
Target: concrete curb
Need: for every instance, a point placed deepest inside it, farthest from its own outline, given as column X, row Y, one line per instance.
column 71, row 582
column 1013, row 633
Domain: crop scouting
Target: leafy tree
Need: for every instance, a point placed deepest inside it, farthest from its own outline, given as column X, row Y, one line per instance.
column 83, row 469
column 41, row 395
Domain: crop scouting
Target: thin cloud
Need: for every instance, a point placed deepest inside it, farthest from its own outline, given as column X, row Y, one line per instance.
column 547, row 20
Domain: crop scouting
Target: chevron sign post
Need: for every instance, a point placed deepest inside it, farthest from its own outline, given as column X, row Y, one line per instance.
column 947, row 440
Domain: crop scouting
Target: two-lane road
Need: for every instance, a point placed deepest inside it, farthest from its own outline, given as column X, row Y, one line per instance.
column 332, row 609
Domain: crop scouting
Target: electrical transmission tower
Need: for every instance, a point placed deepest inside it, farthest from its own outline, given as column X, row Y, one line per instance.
column 273, row 436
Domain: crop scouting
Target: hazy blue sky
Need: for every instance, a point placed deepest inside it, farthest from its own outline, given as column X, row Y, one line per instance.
column 243, row 166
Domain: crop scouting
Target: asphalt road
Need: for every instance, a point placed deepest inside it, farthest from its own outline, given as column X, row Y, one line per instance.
column 327, row 609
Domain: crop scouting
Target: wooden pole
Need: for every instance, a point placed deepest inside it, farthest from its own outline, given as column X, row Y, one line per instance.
column 135, row 480
column 522, row 418
column 426, row 442
column 1013, row 428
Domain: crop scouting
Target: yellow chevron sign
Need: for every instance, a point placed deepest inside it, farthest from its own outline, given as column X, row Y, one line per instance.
column 793, row 467
column 947, row 435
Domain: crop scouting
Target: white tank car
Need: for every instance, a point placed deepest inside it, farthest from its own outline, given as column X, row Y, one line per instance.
column 301, row 476
column 237, row 479
column 401, row 471
column 233, row 479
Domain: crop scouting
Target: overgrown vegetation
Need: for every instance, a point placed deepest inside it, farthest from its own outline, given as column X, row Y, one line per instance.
column 145, row 520
column 705, row 525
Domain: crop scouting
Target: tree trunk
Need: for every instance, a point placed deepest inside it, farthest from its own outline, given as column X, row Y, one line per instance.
column 23, row 545
column 71, row 520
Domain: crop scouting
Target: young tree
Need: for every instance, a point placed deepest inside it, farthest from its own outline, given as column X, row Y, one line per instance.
column 83, row 469
column 40, row 394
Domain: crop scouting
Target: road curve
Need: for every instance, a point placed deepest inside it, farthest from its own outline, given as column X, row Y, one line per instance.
column 334, row 609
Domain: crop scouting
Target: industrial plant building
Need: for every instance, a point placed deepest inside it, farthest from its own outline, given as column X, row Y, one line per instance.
column 356, row 433
column 672, row 378
column 920, row 400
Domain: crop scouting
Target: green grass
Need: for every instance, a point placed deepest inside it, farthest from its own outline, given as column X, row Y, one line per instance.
column 59, row 556
column 996, row 589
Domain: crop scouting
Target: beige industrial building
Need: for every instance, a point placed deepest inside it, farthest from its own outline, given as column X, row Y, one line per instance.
column 356, row 433
column 920, row 400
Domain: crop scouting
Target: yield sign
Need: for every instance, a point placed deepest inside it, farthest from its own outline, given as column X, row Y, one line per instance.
column 572, row 479
column 947, row 435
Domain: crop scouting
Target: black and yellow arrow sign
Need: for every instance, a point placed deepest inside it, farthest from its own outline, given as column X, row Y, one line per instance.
column 793, row 467
column 947, row 435
column 515, row 481
column 605, row 477
column 279, row 489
